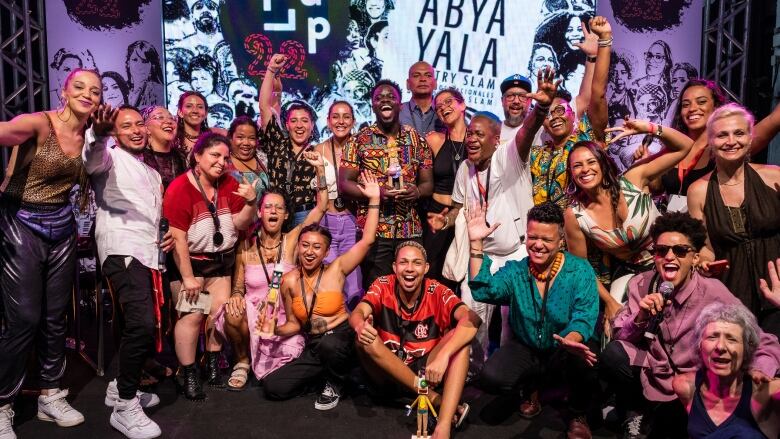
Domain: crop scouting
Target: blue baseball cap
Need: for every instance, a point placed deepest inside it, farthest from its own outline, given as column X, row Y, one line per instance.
column 516, row 80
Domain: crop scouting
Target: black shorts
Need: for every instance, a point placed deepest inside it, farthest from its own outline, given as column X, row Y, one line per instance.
column 209, row 265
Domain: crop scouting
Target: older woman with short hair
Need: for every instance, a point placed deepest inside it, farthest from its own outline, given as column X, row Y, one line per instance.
column 721, row 398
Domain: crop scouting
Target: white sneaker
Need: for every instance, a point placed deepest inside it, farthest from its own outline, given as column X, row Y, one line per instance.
column 147, row 399
column 7, row 422
column 129, row 418
column 55, row 408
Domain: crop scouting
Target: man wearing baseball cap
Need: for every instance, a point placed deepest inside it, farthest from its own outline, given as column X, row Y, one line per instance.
column 514, row 98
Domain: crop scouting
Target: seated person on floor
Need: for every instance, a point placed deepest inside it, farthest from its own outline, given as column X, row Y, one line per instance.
column 406, row 323
column 553, row 308
column 721, row 398
column 314, row 306
column 641, row 367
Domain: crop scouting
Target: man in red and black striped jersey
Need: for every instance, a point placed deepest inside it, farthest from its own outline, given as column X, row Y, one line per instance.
column 406, row 323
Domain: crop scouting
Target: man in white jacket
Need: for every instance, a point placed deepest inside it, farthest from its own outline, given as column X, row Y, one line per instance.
column 128, row 194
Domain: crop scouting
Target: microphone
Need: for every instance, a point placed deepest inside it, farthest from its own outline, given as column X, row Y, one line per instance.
column 647, row 140
column 654, row 324
column 160, row 236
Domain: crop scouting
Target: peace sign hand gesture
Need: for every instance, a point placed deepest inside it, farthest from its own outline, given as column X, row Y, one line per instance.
column 631, row 127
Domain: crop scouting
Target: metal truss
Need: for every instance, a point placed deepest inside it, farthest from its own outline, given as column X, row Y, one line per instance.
column 23, row 72
column 725, row 45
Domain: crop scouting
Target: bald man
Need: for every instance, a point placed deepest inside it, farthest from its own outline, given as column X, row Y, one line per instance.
column 419, row 111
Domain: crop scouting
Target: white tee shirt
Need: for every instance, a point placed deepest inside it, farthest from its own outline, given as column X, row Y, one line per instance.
column 509, row 197
column 508, row 133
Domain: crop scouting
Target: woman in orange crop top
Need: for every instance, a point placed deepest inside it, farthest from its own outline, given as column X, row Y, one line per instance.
column 314, row 305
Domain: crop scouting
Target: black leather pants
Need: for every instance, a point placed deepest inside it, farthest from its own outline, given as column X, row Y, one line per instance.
column 36, row 281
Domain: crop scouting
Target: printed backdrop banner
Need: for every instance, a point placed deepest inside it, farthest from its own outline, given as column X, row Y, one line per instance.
column 657, row 49
column 338, row 49
column 121, row 39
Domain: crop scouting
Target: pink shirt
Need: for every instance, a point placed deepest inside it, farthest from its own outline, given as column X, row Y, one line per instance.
column 677, row 329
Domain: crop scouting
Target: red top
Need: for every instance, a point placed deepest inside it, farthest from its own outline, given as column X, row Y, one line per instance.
column 185, row 209
column 420, row 327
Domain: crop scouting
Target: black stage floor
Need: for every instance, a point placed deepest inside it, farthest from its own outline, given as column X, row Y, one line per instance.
column 247, row 415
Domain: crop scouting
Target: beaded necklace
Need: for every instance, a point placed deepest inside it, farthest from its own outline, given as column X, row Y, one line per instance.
column 556, row 265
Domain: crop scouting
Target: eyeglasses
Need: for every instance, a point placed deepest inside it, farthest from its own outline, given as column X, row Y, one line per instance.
column 269, row 206
column 657, row 56
column 446, row 103
column 556, row 111
column 517, row 95
column 679, row 250
column 161, row 118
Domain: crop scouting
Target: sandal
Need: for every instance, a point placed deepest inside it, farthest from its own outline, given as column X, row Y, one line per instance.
column 461, row 415
column 239, row 377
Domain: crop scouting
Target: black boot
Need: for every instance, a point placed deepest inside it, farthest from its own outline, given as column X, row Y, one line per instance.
column 213, row 373
column 188, row 383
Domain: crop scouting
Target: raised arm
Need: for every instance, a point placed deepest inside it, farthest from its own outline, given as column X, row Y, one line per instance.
column 765, row 131
column 676, row 147
column 597, row 107
column 96, row 158
column 267, row 99
column 21, row 128
column 315, row 215
column 248, row 213
column 546, row 87
column 349, row 260
column 589, row 47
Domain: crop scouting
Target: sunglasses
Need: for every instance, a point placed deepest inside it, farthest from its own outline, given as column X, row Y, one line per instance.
column 679, row 250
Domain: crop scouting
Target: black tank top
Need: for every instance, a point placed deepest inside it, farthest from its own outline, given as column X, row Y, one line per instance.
column 445, row 165
column 671, row 180
column 739, row 425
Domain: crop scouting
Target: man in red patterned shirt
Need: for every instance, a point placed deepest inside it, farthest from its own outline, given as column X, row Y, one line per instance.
column 402, row 162
column 406, row 323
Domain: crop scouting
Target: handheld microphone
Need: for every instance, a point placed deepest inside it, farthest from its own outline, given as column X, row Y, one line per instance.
column 654, row 324
column 647, row 140
column 164, row 226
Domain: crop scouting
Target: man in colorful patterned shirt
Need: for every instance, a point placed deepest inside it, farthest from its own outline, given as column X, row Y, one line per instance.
column 563, row 127
column 402, row 162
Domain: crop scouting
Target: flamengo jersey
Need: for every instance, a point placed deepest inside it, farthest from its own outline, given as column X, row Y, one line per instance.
column 418, row 329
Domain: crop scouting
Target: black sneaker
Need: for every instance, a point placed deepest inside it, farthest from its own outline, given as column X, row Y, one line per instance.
column 329, row 398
